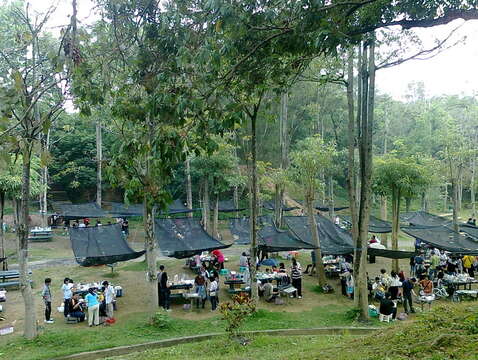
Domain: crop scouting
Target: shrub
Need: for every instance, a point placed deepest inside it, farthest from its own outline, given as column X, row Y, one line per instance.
column 161, row 320
column 235, row 312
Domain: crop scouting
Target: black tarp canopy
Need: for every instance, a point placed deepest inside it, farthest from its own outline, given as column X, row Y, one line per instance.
column 424, row 219
column 390, row 254
column 125, row 210
column 375, row 225
column 101, row 245
column 470, row 230
column 184, row 237
column 272, row 239
column 240, row 230
column 177, row 207
column 80, row 211
column 227, row 206
column 322, row 207
column 333, row 239
column 270, row 205
column 444, row 238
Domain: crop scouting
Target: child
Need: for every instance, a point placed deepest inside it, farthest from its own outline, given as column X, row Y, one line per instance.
column 46, row 295
column 213, row 288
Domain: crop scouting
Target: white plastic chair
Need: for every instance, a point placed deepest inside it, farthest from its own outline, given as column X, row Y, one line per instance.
column 385, row 318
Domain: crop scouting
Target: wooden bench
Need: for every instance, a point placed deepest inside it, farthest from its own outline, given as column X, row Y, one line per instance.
column 9, row 284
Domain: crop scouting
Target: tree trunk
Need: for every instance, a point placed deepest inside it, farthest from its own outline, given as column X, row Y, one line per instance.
column 331, row 198
column 368, row 98
column 150, row 246
column 189, row 188
column 277, row 206
column 454, row 186
column 215, row 218
column 320, row 270
column 445, row 198
column 408, row 202
column 44, row 182
column 460, row 190
column 351, row 173
column 472, row 186
column 30, row 324
column 253, row 218
column 2, row 235
column 395, row 225
column 383, row 216
column 99, row 160
column 206, row 206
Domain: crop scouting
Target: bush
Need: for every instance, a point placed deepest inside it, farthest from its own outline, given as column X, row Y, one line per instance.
column 161, row 320
column 235, row 312
column 352, row 314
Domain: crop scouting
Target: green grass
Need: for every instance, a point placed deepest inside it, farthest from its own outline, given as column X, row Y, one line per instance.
column 260, row 347
column 134, row 329
column 447, row 332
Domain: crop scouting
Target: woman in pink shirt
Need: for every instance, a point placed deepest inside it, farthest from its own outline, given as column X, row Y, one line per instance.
column 219, row 258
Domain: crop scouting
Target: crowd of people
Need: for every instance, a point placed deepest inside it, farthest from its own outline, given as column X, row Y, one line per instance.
column 81, row 305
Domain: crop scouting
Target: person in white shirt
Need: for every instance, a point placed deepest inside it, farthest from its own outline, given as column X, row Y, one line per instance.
column 67, row 295
column 213, row 288
column 243, row 262
column 109, row 297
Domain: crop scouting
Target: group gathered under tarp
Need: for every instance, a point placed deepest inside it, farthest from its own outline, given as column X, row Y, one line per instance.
column 100, row 245
column 184, row 237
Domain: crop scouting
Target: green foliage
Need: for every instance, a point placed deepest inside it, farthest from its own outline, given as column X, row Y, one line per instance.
column 161, row 320
column 11, row 176
column 312, row 157
column 235, row 312
column 404, row 176
column 353, row 314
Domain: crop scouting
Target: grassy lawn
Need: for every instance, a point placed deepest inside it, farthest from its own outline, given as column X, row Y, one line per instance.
column 447, row 332
column 134, row 328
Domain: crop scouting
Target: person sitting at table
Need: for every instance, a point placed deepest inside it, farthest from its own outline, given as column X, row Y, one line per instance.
column 275, row 269
column 378, row 289
column 268, row 290
column 243, row 261
column 76, row 309
column 200, row 284
column 219, row 258
column 426, row 286
column 282, row 268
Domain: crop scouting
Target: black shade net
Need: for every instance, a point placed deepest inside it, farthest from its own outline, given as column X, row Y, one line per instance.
column 444, row 238
column 270, row 205
column 240, row 230
column 333, row 240
column 184, row 237
column 125, row 210
column 227, row 206
column 375, row 225
column 80, row 211
column 101, row 245
column 424, row 219
column 470, row 230
column 272, row 239
column 178, row 207
column 322, row 207
column 391, row 254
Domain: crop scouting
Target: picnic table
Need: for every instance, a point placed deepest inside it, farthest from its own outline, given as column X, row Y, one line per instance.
column 456, row 284
column 10, row 278
column 178, row 289
column 40, row 235
column 459, row 295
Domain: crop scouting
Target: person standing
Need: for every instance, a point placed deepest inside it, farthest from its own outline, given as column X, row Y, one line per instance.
column 434, row 264
column 163, row 288
column 125, row 227
column 93, row 305
column 67, row 295
column 213, row 288
column 296, row 276
column 407, row 287
column 109, row 298
column 46, row 295
column 395, row 285
column 468, row 264
column 200, row 283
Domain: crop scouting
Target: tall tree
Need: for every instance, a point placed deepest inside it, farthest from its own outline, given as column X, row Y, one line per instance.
column 311, row 159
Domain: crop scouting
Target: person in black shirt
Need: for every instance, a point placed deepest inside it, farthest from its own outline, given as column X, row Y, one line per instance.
column 163, row 290
column 125, row 227
column 407, row 287
column 387, row 306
